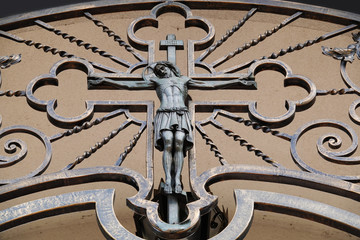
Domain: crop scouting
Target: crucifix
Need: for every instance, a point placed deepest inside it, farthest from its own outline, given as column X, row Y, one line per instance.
column 171, row 45
column 173, row 132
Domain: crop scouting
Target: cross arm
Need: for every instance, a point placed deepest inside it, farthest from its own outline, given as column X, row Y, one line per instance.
column 236, row 83
column 98, row 82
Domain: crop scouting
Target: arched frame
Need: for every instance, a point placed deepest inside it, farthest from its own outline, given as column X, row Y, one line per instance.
column 201, row 209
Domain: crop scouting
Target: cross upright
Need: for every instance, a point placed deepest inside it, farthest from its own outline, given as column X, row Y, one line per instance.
column 171, row 45
column 173, row 132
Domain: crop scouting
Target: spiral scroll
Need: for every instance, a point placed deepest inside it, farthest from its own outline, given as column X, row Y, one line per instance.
column 12, row 145
column 334, row 142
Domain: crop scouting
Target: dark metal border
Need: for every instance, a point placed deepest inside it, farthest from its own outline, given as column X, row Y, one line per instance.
column 76, row 10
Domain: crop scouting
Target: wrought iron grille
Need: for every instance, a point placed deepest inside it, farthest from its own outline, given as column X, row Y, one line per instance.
column 236, row 139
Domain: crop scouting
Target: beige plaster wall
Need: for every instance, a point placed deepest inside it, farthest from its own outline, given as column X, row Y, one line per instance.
column 270, row 95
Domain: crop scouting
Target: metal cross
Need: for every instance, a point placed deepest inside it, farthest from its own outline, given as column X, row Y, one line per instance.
column 171, row 45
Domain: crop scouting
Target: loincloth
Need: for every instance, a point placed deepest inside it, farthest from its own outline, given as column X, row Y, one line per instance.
column 173, row 120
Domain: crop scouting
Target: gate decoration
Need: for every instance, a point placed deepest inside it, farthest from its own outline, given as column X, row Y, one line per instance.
column 174, row 213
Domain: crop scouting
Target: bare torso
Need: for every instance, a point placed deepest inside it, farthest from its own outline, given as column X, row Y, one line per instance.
column 172, row 92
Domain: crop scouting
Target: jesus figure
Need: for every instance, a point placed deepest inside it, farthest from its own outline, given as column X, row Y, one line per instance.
column 172, row 125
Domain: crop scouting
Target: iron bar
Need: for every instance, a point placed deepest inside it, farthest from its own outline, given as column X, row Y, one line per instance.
column 116, row 37
column 97, row 146
column 254, row 42
column 225, row 37
column 129, row 148
column 297, row 47
column 10, row 93
column 81, row 43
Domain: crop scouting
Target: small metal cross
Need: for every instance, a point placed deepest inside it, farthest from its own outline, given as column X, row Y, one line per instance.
column 171, row 45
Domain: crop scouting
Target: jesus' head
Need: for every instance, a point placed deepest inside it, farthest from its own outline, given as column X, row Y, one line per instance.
column 164, row 69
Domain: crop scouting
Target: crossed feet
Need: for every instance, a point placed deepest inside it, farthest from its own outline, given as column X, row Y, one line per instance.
column 168, row 188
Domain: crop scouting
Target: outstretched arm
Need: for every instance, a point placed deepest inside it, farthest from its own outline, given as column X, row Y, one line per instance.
column 250, row 83
column 100, row 81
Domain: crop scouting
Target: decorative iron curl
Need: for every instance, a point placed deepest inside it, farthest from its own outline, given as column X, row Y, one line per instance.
column 352, row 111
column 12, row 145
column 334, row 142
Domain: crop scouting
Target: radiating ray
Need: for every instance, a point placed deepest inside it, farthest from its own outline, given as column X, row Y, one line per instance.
column 97, row 146
column 290, row 49
column 254, row 42
column 10, row 93
column 116, row 37
column 81, row 43
column 228, row 34
column 243, row 142
column 129, row 148
column 211, row 143
column 52, row 50
column 105, row 140
column 333, row 91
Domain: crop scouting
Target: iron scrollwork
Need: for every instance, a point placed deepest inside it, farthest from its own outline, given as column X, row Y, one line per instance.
column 346, row 55
column 13, row 144
column 334, row 141
column 197, row 208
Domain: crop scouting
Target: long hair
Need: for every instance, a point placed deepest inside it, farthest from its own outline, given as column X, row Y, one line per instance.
column 173, row 68
column 168, row 64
